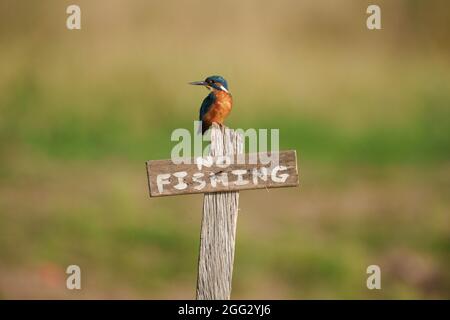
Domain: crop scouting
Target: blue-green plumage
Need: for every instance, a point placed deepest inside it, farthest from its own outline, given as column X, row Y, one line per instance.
column 206, row 104
column 217, row 80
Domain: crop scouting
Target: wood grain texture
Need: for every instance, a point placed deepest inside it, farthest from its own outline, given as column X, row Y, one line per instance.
column 234, row 182
column 218, row 232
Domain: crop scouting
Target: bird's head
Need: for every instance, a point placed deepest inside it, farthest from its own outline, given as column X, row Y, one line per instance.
column 213, row 83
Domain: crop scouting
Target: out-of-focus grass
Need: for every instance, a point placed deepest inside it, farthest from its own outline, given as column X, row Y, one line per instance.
column 100, row 217
column 368, row 113
column 71, row 130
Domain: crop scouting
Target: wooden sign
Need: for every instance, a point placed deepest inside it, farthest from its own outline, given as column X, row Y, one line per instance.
column 225, row 169
column 222, row 173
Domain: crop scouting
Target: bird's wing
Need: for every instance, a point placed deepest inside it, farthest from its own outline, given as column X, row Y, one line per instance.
column 206, row 105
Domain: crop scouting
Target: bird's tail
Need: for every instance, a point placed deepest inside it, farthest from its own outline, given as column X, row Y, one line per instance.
column 202, row 128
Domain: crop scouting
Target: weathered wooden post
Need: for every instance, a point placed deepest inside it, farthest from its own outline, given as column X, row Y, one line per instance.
column 221, row 181
column 218, row 234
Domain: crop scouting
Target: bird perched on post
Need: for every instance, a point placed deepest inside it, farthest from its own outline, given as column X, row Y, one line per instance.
column 217, row 105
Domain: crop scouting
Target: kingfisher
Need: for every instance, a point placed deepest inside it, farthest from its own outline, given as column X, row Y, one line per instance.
column 217, row 104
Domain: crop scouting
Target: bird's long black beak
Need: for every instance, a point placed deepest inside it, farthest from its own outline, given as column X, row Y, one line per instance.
column 199, row 83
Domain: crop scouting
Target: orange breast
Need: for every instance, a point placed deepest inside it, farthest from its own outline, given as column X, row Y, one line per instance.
column 220, row 108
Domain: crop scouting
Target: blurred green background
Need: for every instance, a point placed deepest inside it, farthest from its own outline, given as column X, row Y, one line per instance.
column 367, row 111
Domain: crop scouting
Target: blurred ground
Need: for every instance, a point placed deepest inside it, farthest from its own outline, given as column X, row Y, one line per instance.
column 367, row 112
